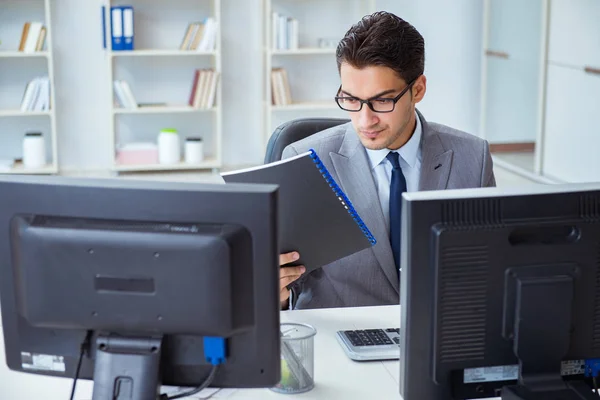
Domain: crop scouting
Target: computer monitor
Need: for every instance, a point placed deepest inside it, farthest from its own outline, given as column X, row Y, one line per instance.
column 500, row 292
column 161, row 279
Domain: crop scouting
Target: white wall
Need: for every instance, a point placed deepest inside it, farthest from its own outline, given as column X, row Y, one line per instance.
column 453, row 46
column 453, row 43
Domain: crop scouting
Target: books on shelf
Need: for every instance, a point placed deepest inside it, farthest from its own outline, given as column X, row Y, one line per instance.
column 200, row 36
column 284, row 32
column 280, row 87
column 37, row 95
column 204, row 88
column 123, row 95
column 121, row 28
column 33, row 37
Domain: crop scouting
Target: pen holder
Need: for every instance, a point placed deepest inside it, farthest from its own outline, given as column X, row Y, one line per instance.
column 297, row 358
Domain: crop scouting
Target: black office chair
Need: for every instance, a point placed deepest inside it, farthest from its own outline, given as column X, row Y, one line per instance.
column 292, row 131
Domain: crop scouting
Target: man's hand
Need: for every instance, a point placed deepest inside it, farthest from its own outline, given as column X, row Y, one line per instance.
column 288, row 275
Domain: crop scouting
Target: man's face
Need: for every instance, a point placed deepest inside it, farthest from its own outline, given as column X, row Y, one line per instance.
column 375, row 130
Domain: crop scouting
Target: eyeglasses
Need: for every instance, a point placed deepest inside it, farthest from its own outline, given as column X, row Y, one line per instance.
column 378, row 105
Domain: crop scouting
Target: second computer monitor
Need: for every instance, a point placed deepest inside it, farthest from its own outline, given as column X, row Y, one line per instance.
column 155, row 276
column 500, row 292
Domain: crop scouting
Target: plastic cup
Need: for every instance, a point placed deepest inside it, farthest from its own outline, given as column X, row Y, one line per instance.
column 297, row 358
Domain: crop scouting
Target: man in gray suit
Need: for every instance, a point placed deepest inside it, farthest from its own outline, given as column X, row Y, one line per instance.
column 387, row 148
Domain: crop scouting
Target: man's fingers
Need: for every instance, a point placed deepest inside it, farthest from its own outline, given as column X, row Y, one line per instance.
column 286, row 280
column 288, row 257
column 289, row 271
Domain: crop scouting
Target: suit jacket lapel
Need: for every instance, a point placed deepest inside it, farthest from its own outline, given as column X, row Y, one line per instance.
column 352, row 168
column 436, row 161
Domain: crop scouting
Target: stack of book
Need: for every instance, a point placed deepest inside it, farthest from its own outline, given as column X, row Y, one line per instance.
column 200, row 36
column 33, row 37
column 123, row 95
column 284, row 32
column 204, row 88
column 37, row 95
column 280, row 87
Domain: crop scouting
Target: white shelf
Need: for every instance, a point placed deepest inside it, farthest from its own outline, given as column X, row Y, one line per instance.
column 176, row 111
column 21, row 170
column 28, row 69
column 303, row 51
column 20, row 54
column 209, row 163
column 314, row 105
column 161, row 53
column 19, row 113
column 163, row 110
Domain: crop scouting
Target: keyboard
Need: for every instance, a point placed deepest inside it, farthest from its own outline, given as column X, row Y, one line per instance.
column 370, row 344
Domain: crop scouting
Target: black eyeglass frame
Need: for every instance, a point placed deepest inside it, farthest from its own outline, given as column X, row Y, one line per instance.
column 368, row 101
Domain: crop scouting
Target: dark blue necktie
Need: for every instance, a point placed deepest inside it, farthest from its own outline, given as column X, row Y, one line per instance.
column 397, row 186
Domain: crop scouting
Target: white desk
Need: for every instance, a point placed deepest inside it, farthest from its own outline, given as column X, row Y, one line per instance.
column 336, row 376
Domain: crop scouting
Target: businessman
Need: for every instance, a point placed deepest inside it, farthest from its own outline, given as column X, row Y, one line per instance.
column 386, row 149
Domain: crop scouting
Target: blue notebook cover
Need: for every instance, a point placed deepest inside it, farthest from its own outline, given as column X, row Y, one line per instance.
column 316, row 218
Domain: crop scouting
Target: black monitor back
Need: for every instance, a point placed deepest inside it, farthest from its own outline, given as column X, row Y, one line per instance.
column 139, row 257
column 463, row 254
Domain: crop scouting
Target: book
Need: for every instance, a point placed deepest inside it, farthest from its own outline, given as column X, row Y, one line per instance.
column 316, row 218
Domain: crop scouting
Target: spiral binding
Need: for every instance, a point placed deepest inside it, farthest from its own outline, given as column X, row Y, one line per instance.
column 345, row 201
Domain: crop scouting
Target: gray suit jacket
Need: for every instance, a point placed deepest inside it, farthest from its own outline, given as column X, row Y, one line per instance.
column 451, row 159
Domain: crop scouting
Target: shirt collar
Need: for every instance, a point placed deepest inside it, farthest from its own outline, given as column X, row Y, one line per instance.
column 409, row 152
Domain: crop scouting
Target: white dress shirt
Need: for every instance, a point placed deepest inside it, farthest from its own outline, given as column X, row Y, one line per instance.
column 410, row 162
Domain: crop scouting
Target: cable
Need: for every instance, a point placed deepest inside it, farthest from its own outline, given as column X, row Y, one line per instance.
column 200, row 388
column 82, row 350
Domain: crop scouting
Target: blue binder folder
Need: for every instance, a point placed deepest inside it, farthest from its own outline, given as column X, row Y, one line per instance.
column 116, row 29
column 128, row 27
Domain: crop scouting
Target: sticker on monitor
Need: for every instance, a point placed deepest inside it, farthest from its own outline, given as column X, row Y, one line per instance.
column 42, row 362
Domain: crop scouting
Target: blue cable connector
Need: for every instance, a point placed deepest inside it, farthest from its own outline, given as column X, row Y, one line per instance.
column 214, row 349
column 592, row 367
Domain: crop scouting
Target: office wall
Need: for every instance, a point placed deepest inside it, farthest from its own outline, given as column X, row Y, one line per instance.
column 453, row 43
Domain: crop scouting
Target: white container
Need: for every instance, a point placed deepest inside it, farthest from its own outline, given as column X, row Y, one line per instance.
column 194, row 150
column 169, row 150
column 34, row 150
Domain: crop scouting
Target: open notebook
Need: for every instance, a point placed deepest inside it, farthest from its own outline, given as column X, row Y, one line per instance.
column 316, row 218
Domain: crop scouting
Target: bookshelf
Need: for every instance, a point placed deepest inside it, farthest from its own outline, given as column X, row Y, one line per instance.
column 160, row 75
column 23, row 58
column 164, row 110
column 163, row 53
column 304, row 45
column 20, row 54
column 298, row 52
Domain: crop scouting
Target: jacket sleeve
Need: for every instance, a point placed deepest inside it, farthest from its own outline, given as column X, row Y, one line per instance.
column 487, row 171
column 288, row 152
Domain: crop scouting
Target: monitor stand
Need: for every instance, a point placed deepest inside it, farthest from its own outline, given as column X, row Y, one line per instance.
column 537, row 317
column 126, row 368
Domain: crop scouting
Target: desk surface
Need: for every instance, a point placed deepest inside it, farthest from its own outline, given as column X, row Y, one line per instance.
column 336, row 376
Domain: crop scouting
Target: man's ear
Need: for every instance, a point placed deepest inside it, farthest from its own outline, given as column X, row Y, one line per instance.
column 419, row 88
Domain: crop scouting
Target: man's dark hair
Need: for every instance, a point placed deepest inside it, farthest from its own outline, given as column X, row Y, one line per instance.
column 384, row 39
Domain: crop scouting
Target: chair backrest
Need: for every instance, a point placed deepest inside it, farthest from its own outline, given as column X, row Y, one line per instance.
column 292, row 131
